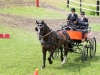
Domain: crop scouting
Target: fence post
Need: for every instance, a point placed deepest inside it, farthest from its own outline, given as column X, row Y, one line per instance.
column 68, row 3
column 80, row 5
column 37, row 3
column 98, row 5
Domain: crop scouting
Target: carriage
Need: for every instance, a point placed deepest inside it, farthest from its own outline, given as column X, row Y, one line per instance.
column 56, row 42
column 82, row 43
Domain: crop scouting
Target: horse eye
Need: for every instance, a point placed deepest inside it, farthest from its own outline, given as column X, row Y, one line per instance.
column 39, row 24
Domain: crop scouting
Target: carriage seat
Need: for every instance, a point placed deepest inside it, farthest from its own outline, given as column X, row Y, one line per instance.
column 83, row 27
column 83, row 31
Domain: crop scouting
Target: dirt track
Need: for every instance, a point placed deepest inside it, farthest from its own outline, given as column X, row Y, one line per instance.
column 29, row 23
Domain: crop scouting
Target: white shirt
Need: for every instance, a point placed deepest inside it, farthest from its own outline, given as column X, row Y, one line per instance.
column 72, row 15
column 82, row 18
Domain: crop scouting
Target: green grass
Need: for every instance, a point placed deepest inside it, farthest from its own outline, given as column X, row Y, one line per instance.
column 95, row 27
column 18, row 53
column 21, row 55
column 34, row 12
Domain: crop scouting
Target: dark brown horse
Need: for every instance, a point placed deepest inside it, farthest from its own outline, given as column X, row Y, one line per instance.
column 51, row 40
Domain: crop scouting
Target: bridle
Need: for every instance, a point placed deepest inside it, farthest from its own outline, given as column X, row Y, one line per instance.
column 47, row 33
column 50, row 38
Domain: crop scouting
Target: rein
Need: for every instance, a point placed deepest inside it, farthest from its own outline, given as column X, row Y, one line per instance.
column 47, row 34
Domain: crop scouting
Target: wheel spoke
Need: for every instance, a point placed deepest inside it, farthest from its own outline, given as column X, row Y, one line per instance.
column 84, row 53
column 93, row 48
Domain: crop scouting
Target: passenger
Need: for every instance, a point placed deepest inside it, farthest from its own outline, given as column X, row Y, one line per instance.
column 82, row 22
column 72, row 18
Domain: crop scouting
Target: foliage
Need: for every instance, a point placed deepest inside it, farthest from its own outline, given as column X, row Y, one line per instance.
column 92, row 12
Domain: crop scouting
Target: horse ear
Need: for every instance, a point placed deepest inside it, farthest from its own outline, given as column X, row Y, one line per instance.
column 42, row 22
column 37, row 22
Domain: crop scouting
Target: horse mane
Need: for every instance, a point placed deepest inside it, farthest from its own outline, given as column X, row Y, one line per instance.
column 46, row 25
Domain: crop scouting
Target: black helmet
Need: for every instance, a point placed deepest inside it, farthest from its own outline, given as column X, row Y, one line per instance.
column 82, row 13
column 73, row 10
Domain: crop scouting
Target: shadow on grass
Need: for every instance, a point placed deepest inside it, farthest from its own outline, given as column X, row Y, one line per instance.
column 76, row 65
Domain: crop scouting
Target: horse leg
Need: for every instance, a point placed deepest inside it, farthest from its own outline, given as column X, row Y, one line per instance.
column 65, row 53
column 61, row 53
column 51, row 55
column 44, row 58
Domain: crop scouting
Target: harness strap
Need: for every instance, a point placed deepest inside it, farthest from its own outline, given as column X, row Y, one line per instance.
column 63, row 39
column 48, row 43
column 47, row 34
column 51, row 42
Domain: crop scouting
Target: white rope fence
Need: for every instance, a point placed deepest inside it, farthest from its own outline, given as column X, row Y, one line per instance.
column 84, row 8
column 84, row 4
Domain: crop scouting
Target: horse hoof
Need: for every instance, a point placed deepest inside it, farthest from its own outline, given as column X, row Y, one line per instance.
column 42, row 67
column 50, row 62
column 63, row 62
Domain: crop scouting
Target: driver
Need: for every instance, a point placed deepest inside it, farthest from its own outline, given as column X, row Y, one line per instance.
column 72, row 22
column 72, row 18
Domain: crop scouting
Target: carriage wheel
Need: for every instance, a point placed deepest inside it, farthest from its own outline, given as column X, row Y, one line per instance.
column 89, row 45
column 93, row 48
column 84, row 53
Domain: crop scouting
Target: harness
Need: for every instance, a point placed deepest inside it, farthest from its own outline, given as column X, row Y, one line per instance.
column 51, row 41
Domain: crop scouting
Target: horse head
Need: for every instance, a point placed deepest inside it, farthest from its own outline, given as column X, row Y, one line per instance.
column 41, row 29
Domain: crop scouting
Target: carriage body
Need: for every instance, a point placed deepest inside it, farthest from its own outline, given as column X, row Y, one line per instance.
column 74, row 35
column 77, row 35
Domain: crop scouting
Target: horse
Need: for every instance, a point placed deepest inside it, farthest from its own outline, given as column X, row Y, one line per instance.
column 51, row 40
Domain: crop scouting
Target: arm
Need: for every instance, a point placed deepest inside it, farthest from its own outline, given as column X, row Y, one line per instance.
column 68, row 18
column 87, row 23
column 76, row 19
column 86, row 20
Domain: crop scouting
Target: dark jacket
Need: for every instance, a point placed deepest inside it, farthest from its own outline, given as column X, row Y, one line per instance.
column 82, row 24
column 84, row 19
column 72, row 18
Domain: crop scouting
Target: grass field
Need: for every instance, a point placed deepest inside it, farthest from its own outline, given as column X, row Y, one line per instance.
column 21, row 55
column 95, row 27
column 18, row 53
column 33, row 12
